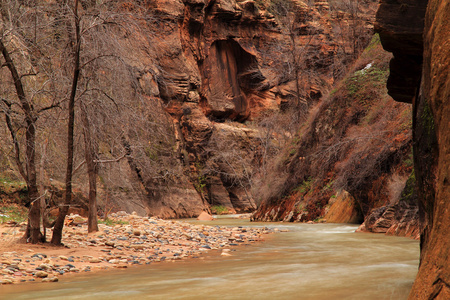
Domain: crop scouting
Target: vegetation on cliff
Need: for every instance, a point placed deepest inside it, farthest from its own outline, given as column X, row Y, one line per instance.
column 357, row 139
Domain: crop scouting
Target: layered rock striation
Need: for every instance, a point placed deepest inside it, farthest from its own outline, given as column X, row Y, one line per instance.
column 218, row 64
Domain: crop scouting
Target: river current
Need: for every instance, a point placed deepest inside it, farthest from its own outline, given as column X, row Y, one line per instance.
column 310, row 261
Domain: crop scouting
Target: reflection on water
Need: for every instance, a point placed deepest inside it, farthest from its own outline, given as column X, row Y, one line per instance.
column 320, row 261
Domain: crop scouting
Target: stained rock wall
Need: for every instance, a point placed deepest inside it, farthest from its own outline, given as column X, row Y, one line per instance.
column 215, row 65
column 431, row 110
column 432, row 119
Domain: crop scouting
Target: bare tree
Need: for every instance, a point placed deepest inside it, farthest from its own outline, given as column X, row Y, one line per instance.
column 90, row 150
column 352, row 31
column 57, row 231
column 295, row 20
column 22, row 45
column 29, row 173
column 87, row 22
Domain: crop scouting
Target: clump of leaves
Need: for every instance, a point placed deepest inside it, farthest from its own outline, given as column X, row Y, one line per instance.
column 305, row 186
column 13, row 212
column 219, row 209
column 11, row 185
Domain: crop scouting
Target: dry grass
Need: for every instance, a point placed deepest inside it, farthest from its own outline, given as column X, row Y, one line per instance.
column 353, row 140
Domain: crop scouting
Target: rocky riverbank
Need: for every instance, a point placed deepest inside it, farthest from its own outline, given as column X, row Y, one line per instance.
column 132, row 240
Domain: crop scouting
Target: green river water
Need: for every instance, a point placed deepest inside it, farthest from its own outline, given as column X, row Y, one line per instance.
column 311, row 261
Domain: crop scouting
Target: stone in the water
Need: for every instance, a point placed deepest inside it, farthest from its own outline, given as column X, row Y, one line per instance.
column 6, row 281
column 121, row 266
column 204, row 216
column 52, row 279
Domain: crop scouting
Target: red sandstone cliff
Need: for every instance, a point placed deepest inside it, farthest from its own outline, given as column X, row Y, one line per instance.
column 418, row 32
column 432, row 117
column 195, row 78
column 227, row 61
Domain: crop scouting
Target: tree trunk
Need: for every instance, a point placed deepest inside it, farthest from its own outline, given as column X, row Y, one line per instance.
column 295, row 65
column 34, row 215
column 33, row 227
column 57, row 231
column 92, row 168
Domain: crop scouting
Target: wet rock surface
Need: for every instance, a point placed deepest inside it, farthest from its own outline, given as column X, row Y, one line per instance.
column 424, row 82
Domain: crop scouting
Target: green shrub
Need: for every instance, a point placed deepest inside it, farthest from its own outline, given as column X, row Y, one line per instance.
column 305, row 186
column 219, row 209
column 109, row 222
column 13, row 212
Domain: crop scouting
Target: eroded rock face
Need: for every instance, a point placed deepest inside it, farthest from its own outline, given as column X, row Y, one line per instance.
column 400, row 25
column 227, row 64
column 431, row 118
column 212, row 66
column 393, row 220
column 215, row 64
column 432, row 159
column 400, row 218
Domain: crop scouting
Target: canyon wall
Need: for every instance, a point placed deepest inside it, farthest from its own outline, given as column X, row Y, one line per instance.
column 183, row 80
column 202, row 94
column 218, row 65
column 351, row 159
column 417, row 34
column 432, row 119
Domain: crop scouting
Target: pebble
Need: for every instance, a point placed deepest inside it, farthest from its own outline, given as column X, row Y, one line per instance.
column 138, row 247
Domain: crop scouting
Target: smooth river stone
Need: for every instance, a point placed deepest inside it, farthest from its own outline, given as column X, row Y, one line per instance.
column 6, row 281
column 41, row 274
column 52, row 279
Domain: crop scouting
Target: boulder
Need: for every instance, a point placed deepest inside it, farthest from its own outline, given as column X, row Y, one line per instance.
column 343, row 209
column 204, row 216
